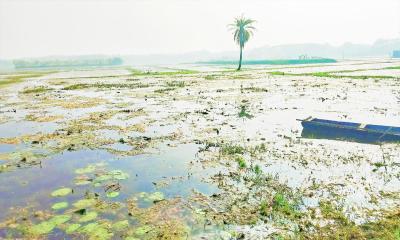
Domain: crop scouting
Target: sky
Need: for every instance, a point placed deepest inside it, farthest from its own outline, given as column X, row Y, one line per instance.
column 34, row 28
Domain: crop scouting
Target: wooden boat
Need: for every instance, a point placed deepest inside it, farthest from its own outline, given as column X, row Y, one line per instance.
column 349, row 131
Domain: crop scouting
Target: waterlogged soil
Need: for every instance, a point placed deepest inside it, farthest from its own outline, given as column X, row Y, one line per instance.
column 198, row 152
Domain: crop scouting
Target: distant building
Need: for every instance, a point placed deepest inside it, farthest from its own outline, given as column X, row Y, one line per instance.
column 396, row 53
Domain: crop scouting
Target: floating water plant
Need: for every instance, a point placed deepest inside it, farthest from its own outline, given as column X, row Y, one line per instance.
column 59, row 205
column 84, row 203
column 72, row 228
column 48, row 226
column 61, row 192
column 112, row 194
column 88, row 217
column 120, row 225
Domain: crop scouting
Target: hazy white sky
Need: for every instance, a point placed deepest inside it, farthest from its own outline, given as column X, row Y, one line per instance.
column 30, row 28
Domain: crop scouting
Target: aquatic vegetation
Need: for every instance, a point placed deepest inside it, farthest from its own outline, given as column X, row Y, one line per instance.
column 47, row 226
column 176, row 84
column 59, row 205
column 84, row 203
column 88, row 216
column 72, row 228
column 120, row 225
column 112, row 194
column 241, row 162
column 229, row 149
column 61, row 192
column 243, row 112
column 88, row 169
column 36, row 90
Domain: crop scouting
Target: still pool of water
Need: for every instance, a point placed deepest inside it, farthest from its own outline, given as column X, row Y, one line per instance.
column 171, row 171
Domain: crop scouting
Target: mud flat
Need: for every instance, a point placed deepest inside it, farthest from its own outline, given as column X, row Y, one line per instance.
column 125, row 153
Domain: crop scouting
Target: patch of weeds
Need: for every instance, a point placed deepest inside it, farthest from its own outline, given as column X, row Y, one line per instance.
column 257, row 170
column 39, row 89
column 264, row 208
column 163, row 90
column 255, row 89
column 276, row 73
column 243, row 112
column 210, row 77
column 179, row 84
column 106, row 85
column 281, row 204
column 321, row 74
column 387, row 227
column 232, row 149
column 20, row 78
column 241, row 162
column 395, row 67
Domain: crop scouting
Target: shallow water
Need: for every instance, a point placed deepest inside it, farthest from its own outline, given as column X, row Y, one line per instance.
column 171, row 164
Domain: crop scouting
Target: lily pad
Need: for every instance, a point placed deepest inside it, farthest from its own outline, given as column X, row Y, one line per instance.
column 119, row 175
column 72, row 228
column 89, row 228
column 80, row 182
column 112, row 194
column 61, row 192
column 87, row 169
column 143, row 230
column 42, row 228
column 156, row 196
column 120, row 225
column 57, row 220
column 103, row 178
column 85, row 203
column 59, row 205
column 88, row 217
column 96, row 231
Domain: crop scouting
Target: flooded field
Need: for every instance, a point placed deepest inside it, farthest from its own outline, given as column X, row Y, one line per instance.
column 199, row 152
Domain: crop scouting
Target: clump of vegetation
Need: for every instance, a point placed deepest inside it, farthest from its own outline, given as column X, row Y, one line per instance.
column 277, row 73
column 179, row 84
column 39, row 89
column 243, row 112
column 163, row 90
column 231, row 149
column 20, row 78
column 281, row 204
column 241, row 162
column 106, row 85
column 210, row 77
column 255, row 89
column 388, row 227
column 395, row 67
column 257, row 170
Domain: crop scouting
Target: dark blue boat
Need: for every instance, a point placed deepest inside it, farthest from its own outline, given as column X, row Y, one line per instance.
column 349, row 131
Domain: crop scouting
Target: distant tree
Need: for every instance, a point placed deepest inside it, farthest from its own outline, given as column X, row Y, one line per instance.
column 242, row 31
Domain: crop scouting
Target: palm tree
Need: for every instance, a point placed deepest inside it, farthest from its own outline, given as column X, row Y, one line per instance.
column 242, row 31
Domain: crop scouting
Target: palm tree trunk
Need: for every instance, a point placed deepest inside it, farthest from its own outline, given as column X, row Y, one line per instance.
column 240, row 59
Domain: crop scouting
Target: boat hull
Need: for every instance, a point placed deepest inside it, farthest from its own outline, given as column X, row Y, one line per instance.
column 348, row 131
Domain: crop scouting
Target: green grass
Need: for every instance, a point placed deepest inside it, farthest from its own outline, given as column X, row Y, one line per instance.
column 276, row 73
column 163, row 90
column 39, row 89
column 395, row 67
column 106, row 85
column 241, row 162
column 232, row 149
column 20, row 78
column 243, row 112
column 179, row 84
column 255, row 89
